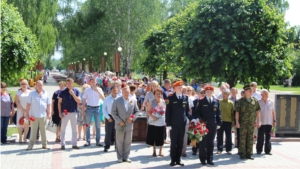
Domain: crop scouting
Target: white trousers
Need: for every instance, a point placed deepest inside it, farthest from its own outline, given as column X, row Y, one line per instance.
column 64, row 122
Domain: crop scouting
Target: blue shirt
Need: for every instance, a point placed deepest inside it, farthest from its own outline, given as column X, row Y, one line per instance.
column 38, row 104
column 195, row 86
column 68, row 102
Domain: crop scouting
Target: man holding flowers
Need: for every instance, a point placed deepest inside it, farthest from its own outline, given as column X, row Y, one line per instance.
column 123, row 112
column 208, row 110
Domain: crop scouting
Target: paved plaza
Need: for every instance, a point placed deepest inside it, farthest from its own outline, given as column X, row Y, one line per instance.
column 286, row 155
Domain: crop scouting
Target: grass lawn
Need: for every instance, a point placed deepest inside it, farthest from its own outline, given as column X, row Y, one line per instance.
column 12, row 92
column 294, row 90
column 12, row 130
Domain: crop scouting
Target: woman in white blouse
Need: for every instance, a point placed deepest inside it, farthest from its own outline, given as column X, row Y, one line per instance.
column 21, row 101
column 150, row 95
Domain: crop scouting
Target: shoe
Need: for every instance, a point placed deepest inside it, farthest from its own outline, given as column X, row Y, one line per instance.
column 7, row 142
column 194, row 153
column 119, row 161
column 203, row 163
column 100, row 145
column 105, row 150
column 45, row 147
column 219, row 152
column 179, row 163
column 29, row 148
column 250, row 157
column 183, row 155
column 75, row 147
column 210, row 163
column 229, row 152
column 172, row 163
column 128, row 160
column 259, row 153
column 62, row 148
column 242, row 157
column 269, row 154
column 87, row 144
column 166, row 142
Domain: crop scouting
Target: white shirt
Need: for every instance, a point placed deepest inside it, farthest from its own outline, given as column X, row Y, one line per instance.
column 119, row 94
column 209, row 99
column 126, row 103
column 266, row 116
column 92, row 97
column 256, row 95
column 107, row 104
column 132, row 96
column 181, row 97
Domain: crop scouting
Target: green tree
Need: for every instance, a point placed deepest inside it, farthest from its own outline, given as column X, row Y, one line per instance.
column 18, row 45
column 40, row 16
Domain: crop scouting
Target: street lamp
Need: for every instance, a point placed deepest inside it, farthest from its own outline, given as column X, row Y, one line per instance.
column 103, row 62
column 117, row 61
column 82, row 64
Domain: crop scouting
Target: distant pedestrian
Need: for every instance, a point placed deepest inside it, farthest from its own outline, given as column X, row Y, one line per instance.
column 38, row 107
column 67, row 107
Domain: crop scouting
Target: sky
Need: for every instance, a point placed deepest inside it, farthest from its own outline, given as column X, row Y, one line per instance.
column 292, row 16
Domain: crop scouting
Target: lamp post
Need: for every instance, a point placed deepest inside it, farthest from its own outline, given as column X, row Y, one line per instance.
column 103, row 62
column 90, row 65
column 82, row 64
column 117, row 61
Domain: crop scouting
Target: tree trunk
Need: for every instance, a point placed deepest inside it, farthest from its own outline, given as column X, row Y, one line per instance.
column 165, row 74
column 231, row 81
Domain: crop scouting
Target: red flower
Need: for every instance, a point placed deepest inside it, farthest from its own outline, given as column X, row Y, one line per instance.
column 204, row 124
column 206, row 130
column 191, row 127
column 254, row 136
column 198, row 123
column 195, row 131
column 200, row 127
column 87, row 125
column 201, row 132
column 132, row 116
column 31, row 118
column 192, row 123
column 65, row 110
column 195, row 127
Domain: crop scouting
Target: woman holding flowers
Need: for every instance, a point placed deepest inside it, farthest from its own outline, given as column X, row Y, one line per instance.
column 156, row 122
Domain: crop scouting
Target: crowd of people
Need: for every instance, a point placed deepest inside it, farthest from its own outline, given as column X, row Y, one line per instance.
column 169, row 108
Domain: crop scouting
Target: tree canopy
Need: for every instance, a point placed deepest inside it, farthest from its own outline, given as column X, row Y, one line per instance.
column 18, row 45
column 231, row 41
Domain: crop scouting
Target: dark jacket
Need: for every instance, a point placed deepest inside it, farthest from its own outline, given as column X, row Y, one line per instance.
column 209, row 112
column 177, row 111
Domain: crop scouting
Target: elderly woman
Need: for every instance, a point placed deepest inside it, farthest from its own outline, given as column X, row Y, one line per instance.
column 21, row 101
column 81, row 119
column 55, row 114
column 7, row 110
column 150, row 95
column 156, row 109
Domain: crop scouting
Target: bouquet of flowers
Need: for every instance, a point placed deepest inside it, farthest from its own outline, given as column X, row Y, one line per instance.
column 273, row 130
column 123, row 127
column 158, row 112
column 197, row 130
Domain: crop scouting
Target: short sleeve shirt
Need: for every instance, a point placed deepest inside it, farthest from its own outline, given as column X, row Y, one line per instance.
column 247, row 110
column 38, row 104
column 68, row 102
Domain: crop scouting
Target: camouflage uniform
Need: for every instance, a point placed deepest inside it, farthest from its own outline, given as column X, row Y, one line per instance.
column 247, row 116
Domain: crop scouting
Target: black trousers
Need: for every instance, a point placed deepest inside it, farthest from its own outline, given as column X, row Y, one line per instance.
column 195, row 149
column 177, row 135
column 264, row 131
column 206, row 146
column 226, row 126
column 110, row 133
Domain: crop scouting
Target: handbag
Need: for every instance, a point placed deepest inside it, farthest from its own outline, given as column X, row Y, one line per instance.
column 51, row 126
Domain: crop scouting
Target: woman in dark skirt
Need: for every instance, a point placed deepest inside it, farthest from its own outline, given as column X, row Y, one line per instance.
column 156, row 122
column 55, row 114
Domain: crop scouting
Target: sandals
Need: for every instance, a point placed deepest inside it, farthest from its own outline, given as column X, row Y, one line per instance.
column 162, row 155
column 154, row 155
column 57, row 140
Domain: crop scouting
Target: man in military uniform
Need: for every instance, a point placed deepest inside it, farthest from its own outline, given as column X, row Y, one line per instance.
column 177, row 112
column 247, row 111
column 208, row 109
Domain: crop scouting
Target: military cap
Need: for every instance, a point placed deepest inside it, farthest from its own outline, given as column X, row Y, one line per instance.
column 209, row 88
column 178, row 83
column 247, row 87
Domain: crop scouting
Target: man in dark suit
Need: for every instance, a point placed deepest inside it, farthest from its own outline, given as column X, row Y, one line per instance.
column 177, row 113
column 208, row 110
